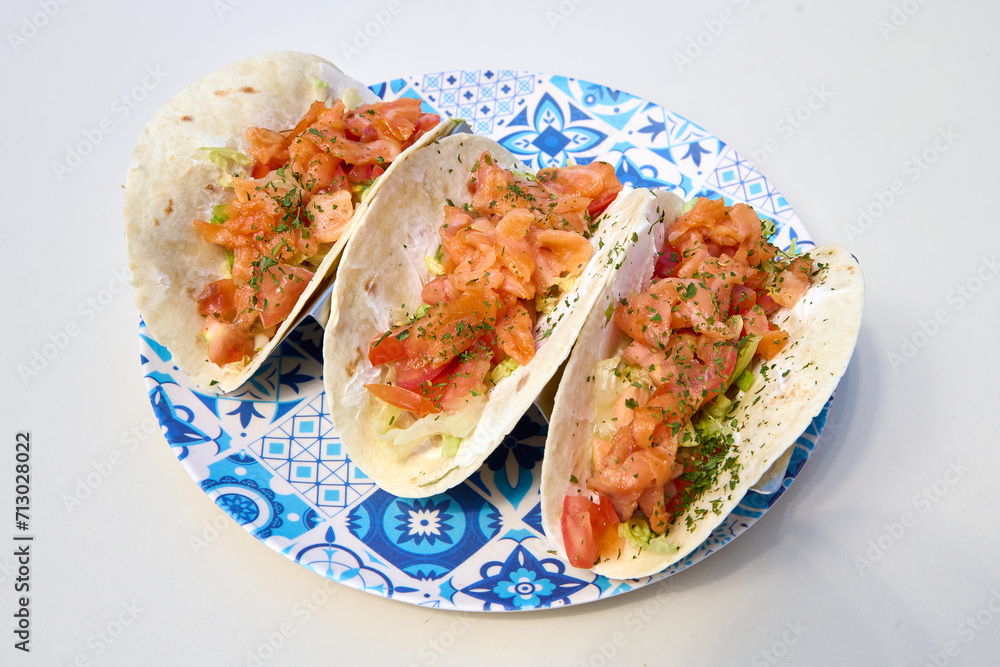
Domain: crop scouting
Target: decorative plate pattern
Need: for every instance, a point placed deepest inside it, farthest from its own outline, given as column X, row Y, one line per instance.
column 270, row 458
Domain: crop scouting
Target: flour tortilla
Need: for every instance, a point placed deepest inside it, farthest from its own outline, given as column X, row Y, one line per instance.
column 170, row 183
column 823, row 328
column 381, row 273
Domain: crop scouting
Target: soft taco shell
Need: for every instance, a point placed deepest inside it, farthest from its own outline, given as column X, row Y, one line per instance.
column 170, row 183
column 823, row 328
column 381, row 274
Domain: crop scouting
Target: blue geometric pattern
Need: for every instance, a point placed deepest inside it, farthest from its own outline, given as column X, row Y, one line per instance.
column 270, row 458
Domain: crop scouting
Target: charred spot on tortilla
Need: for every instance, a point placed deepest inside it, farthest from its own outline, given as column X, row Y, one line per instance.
column 221, row 93
column 187, row 119
column 248, row 89
column 170, row 207
column 352, row 365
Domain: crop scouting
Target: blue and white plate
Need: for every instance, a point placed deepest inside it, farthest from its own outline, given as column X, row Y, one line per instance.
column 269, row 456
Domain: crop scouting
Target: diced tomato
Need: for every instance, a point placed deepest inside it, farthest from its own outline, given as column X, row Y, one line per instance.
column 226, row 342
column 259, row 170
column 720, row 361
column 218, row 300
column 469, row 375
column 402, row 398
column 437, row 290
column 385, row 348
column 597, row 206
column 666, row 262
column 364, row 173
column 674, row 499
column 769, row 305
column 585, row 525
column 741, row 300
column 425, row 123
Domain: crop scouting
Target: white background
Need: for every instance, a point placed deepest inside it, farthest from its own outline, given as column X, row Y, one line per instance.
column 885, row 551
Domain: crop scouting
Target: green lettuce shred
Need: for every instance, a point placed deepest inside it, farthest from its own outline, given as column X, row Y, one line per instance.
column 449, row 444
column 229, row 161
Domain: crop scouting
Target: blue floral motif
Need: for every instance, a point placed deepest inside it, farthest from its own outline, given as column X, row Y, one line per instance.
column 523, row 581
column 523, row 589
column 424, row 521
column 239, row 507
column 550, row 140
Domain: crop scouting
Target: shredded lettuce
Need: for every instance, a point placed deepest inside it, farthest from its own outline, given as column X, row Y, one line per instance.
column 748, row 347
column 744, row 381
column 545, row 302
column 767, row 228
column 229, row 161
column 407, row 437
column 434, row 264
column 449, row 444
column 611, row 378
column 351, row 98
column 607, row 385
column 503, row 369
column 219, row 215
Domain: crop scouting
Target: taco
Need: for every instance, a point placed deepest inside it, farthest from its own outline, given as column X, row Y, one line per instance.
column 703, row 360
column 456, row 302
column 242, row 191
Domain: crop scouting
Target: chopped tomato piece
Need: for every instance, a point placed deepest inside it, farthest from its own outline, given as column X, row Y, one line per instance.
column 226, row 342
column 385, row 348
column 218, row 300
column 585, row 525
column 667, row 260
column 742, row 300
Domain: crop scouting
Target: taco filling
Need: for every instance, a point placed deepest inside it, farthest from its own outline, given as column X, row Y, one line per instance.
column 289, row 207
column 504, row 261
column 666, row 396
